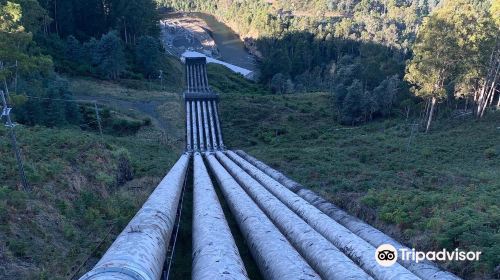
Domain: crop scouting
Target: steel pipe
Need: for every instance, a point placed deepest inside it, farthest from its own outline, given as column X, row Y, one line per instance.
column 194, row 126
column 322, row 255
column 217, row 123
column 200, row 126
column 195, row 79
column 206, row 125
column 426, row 270
column 274, row 255
column 191, row 74
column 205, row 77
column 139, row 252
column 202, row 79
column 187, row 78
column 188, row 126
column 350, row 244
column 212, row 126
column 215, row 255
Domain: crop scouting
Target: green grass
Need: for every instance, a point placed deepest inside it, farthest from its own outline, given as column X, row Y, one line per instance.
column 432, row 191
column 75, row 200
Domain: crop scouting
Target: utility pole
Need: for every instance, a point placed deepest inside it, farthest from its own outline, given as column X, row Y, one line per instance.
column 98, row 118
column 6, row 112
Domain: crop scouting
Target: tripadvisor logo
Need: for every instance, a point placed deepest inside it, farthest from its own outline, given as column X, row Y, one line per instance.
column 387, row 255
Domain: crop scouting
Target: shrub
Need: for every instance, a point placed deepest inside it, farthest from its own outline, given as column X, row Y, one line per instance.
column 105, row 179
column 18, row 247
column 490, row 153
column 4, row 215
column 124, row 127
column 17, row 200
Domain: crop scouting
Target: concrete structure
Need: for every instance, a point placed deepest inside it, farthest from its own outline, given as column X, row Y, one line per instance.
column 249, row 74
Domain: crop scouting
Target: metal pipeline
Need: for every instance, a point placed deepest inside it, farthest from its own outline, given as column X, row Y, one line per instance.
column 206, row 125
column 195, row 79
column 187, row 78
column 188, row 126
column 205, row 77
column 350, row 244
column 215, row 255
column 200, row 126
column 275, row 257
column 322, row 255
column 194, row 126
column 212, row 126
column 202, row 78
column 426, row 270
column 217, row 123
column 191, row 74
column 138, row 253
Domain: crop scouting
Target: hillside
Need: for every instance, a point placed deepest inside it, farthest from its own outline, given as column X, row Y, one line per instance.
column 380, row 172
column 432, row 191
column 84, row 189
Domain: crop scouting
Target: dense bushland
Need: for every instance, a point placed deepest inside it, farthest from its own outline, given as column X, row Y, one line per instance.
column 369, row 54
column 40, row 40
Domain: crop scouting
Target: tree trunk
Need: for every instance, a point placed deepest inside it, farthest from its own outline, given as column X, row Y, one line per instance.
column 55, row 17
column 431, row 114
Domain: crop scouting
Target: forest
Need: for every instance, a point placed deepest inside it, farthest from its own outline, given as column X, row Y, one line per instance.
column 377, row 58
column 40, row 40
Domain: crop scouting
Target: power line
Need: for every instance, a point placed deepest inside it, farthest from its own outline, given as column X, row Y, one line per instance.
column 64, row 100
column 6, row 113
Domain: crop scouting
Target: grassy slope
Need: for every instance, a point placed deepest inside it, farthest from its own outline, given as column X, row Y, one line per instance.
column 431, row 190
column 441, row 190
column 49, row 232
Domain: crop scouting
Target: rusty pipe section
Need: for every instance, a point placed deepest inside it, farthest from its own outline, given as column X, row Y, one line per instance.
column 215, row 255
column 274, row 255
column 350, row 244
column 425, row 270
column 139, row 252
column 322, row 255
